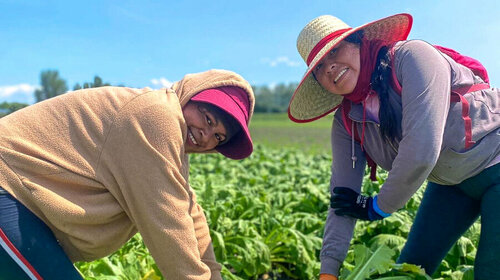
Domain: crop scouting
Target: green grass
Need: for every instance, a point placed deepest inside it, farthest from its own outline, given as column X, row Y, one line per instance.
column 277, row 131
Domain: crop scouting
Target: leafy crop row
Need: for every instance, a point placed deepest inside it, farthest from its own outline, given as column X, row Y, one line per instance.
column 266, row 215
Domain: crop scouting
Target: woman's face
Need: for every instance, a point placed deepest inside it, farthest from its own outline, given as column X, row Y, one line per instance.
column 204, row 130
column 338, row 71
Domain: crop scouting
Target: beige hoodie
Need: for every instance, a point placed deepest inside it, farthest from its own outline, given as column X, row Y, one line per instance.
column 98, row 165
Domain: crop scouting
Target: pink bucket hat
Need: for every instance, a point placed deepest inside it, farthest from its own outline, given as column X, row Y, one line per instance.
column 234, row 101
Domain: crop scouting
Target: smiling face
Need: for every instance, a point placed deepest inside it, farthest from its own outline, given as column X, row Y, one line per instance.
column 205, row 129
column 338, row 71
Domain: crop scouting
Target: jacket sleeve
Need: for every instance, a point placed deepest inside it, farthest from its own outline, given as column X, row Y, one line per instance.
column 339, row 229
column 144, row 165
column 204, row 241
column 425, row 77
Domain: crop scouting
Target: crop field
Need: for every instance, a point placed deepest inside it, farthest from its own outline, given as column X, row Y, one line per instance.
column 277, row 131
column 266, row 216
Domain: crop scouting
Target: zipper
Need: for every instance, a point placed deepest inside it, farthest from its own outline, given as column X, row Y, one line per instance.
column 390, row 144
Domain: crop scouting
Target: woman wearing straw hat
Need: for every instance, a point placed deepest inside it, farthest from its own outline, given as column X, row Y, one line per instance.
column 394, row 109
column 81, row 173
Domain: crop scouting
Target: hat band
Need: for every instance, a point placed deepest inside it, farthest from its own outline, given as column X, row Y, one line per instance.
column 323, row 42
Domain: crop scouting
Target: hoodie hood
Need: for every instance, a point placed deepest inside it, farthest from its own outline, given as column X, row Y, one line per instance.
column 192, row 84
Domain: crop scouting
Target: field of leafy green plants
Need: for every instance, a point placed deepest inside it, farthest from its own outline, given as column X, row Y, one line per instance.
column 266, row 215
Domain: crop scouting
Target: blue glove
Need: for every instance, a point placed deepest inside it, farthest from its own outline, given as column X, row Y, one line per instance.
column 347, row 202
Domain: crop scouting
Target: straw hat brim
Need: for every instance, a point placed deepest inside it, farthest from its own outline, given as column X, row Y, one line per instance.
column 311, row 101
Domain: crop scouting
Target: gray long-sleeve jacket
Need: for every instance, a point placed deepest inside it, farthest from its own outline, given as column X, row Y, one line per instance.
column 431, row 145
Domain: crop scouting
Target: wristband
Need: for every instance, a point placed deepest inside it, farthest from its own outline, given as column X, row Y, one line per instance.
column 378, row 210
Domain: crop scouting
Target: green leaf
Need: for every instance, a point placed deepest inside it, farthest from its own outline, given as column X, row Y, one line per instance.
column 367, row 262
column 407, row 267
column 396, row 278
column 390, row 240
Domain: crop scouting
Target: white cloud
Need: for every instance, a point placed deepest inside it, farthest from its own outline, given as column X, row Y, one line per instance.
column 127, row 13
column 161, row 83
column 18, row 93
column 280, row 60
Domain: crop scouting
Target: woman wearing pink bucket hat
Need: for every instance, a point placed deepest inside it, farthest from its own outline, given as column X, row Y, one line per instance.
column 81, row 173
column 420, row 112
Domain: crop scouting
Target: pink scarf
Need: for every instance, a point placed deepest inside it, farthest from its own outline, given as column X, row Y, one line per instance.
column 368, row 57
column 368, row 52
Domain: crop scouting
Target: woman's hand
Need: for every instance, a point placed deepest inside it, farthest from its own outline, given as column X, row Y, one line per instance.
column 347, row 202
column 325, row 276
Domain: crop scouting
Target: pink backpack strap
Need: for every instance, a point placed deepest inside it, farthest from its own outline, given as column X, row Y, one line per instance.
column 457, row 95
column 476, row 67
column 471, row 63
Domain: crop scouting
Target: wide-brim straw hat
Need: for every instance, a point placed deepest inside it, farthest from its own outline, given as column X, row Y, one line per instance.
column 311, row 101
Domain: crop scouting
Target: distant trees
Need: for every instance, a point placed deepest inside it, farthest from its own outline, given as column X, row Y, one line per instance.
column 51, row 85
column 9, row 107
column 267, row 99
column 273, row 99
column 97, row 83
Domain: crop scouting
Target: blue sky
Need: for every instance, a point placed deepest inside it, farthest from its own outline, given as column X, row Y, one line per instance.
column 152, row 43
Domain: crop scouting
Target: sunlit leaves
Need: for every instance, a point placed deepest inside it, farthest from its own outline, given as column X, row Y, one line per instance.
column 267, row 214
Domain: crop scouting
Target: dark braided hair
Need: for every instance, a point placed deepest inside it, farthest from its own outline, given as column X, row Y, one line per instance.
column 381, row 80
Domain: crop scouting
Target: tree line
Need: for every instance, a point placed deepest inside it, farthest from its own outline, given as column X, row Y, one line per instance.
column 51, row 84
column 273, row 99
column 268, row 99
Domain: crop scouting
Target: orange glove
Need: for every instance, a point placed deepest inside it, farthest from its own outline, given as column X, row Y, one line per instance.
column 324, row 276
